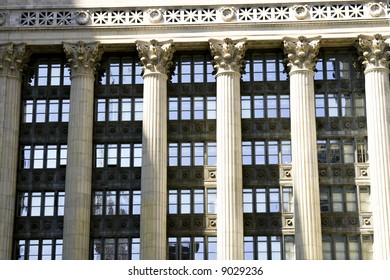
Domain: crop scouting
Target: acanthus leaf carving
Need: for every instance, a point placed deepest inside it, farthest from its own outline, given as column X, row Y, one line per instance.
column 13, row 58
column 228, row 55
column 83, row 58
column 156, row 57
column 301, row 53
column 374, row 51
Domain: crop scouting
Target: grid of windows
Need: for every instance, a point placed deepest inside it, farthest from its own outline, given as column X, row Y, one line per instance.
column 347, row 247
column 42, row 110
column 43, row 156
column 272, row 247
column 192, row 248
column 118, row 155
column 264, row 66
column 268, row 200
column 266, row 152
column 121, row 70
column 340, row 104
column 122, row 248
column 49, row 72
column 119, row 109
column 49, row 203
column 192, row 201
column 345, row 199
column 342, row 151
column 192, row 154
column 193, row 68
column 121, row 202
column 192, row 108
column 265, row 106
column 38, row 249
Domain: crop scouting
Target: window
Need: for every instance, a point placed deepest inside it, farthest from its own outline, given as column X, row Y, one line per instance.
column 38, row 249
column 341, row 151
column 338, row 199
column 43, row 156
column 191, row 248
column 42, row 110
column 116, row 202
column 342, row 247
column 340, row 104
column 41, row 203
column 191, row 154
column 264, row 67
column 51, row 72
column 121, row 70
column 211, row 201
column 118, row 155
column 268, row 200
column 192, row 108
column 186, row 201
column 119, row 109
column 265, row 106
column 269, row 247
column 122, row 248
column 193, row 68
column 266, row 152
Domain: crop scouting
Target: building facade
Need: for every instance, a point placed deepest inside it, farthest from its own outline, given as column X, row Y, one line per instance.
column 231, row 130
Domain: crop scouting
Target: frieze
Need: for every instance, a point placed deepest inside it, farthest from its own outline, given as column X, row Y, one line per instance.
column 195, row 15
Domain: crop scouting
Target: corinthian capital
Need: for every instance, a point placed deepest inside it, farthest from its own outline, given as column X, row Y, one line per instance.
column 374, row 51
column 12, row 58
column 83, row 58
column 228, row 54
column 156, row 57
column 301, row 52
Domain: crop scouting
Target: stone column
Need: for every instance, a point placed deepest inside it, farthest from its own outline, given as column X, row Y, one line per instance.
column 156, row 61
column 375, row 54
column 228, row 60
column 12, row 58
column 82, row 59
column 301, row 58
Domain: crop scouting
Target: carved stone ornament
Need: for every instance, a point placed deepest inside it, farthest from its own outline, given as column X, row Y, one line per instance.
column 374, row 51
column 156, row 57
column 82, row 17
column 376, row 9
column 2, row 18
column 301, row 12
column 83, row 58
column 228, row 13
column 228, row 54
column 13, row 59
column 155, row 15
column 301, row 53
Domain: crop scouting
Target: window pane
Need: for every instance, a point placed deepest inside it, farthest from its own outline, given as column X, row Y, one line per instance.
column 211, row 201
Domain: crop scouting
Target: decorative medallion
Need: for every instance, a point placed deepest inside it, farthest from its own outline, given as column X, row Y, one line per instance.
column 155, row 15
column 376, row 9
column 228, row 13
column 301, row 12
column 82, row 17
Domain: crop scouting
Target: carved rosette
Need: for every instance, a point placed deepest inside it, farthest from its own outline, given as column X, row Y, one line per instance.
column 83, row 58
column 374, row 51
column 301, row 53
column 228, row 55
column 13, row 59
column 156, row 57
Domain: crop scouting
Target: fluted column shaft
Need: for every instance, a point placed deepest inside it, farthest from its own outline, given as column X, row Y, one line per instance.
column 376, row 53
column 228, row 61
column 301, row 56
column 156, row 61
column 78, row 186
column 11, row 63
